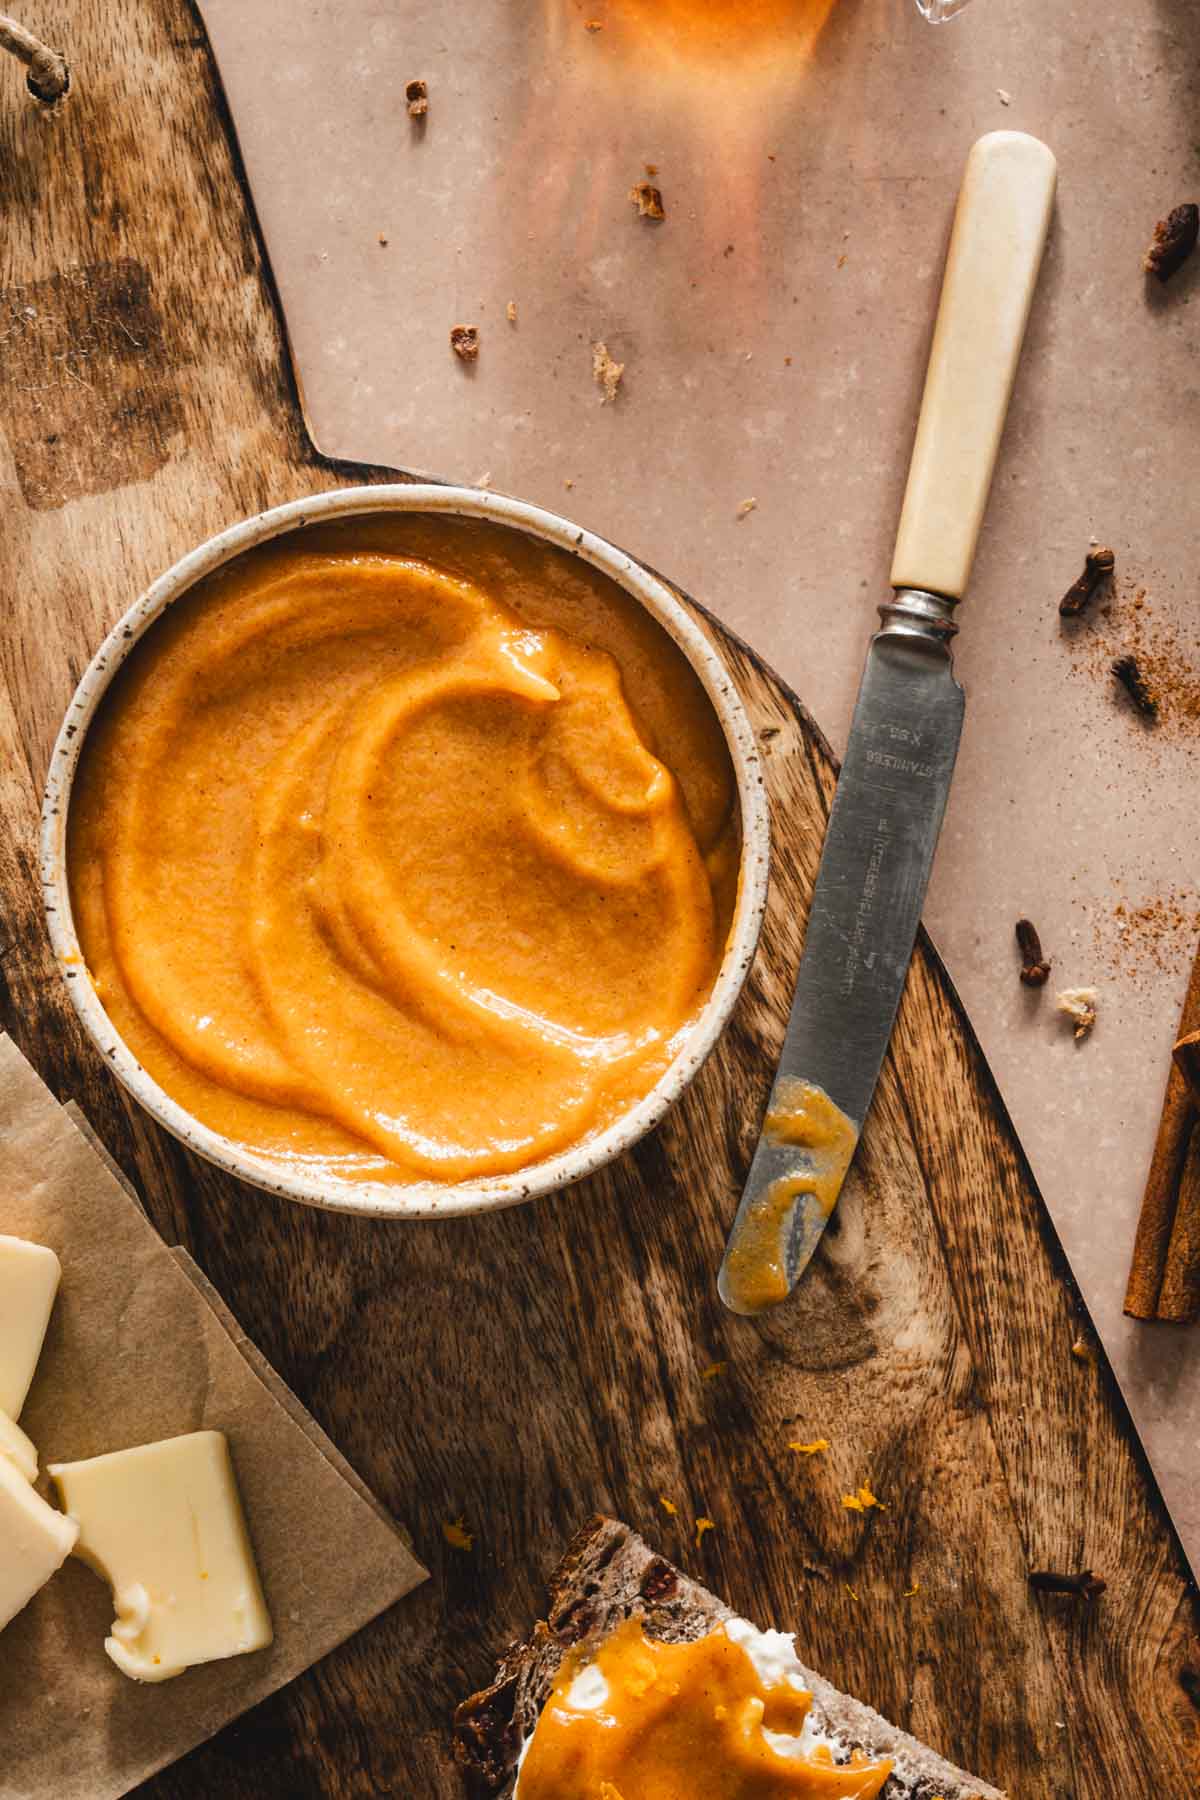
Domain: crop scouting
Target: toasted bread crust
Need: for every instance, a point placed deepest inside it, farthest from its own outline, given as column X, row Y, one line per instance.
column 607, row 1575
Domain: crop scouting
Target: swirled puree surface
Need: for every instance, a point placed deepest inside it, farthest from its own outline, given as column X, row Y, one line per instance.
column 404, row 850
column 724, row 1718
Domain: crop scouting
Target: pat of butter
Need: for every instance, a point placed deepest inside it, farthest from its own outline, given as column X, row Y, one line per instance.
column 163, row 1525
column 16, row 1448
column 29, row 1276
column 35, row 1541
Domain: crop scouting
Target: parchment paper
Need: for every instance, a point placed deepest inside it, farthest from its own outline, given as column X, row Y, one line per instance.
column 141, row 1347
column 775, row 328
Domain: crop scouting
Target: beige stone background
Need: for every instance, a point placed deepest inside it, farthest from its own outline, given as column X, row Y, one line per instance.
column 774, row 329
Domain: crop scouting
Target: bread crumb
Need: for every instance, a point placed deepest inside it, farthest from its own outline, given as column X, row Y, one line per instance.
column 863, row 1501
column 382, row 239
column 842, row 260
column 456, row 1534
column 567, row 482
column 703, row 1525
column 909, row 1592
column 510, row 312
column 651, row 169
column 747, row 507
column 648, row 200
column 713, row 1370
column 668, row 1506
column 813, row 1449
column 606, row 373
column 464, row 341
column 1080, row 1351
column 1079, row 1005
column 593, row 25
column 416, row 92
column 1004, row 96
column 484, row 480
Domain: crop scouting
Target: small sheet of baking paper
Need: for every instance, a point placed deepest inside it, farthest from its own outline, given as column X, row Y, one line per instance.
column 141, row 1347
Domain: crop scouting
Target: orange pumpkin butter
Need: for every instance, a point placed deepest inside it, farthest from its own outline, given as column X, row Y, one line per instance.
column 665, row 1720
column 404, row 853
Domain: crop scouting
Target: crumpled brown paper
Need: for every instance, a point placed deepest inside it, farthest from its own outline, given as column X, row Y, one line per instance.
column 141, row 1347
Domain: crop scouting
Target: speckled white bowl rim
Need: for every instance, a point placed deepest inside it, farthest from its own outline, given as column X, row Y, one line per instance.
column 422, row 1200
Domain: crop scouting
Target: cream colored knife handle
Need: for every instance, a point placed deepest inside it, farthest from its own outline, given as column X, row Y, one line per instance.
column 991, row 271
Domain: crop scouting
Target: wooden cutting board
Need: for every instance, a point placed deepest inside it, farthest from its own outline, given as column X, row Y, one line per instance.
column 519, row 1371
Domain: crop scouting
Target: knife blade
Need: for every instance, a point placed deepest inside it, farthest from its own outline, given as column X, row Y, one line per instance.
column 904, row 736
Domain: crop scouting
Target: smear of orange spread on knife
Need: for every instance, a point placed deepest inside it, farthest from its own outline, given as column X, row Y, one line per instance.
column 803, row 1115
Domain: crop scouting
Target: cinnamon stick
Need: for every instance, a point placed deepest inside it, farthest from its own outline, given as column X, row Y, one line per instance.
column 1179, row 1296
column 1160, row 1200
column 1187, row 1061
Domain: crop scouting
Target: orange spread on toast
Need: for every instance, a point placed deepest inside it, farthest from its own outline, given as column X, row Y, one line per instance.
column 682, row 1719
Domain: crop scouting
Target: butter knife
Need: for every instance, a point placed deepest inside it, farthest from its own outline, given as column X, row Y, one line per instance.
column 891, row 795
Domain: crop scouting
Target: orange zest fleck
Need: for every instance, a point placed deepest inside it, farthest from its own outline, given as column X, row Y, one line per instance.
column 850, row 1590
column 456, row 1534
column 813, row 1449
column 713, row 1370
column 703, row 1525
column 909, row 1592
column 863, row 1501
column 668, row 1506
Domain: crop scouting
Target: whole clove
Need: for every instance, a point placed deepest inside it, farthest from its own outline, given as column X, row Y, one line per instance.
column 1132, row 677
column 47, row 76
column 1097, row 565
column 1035, row 967
column 1085, row 1584
column 1173, row 241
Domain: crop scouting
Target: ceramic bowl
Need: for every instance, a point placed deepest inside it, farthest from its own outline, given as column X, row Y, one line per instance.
column 422, row 1199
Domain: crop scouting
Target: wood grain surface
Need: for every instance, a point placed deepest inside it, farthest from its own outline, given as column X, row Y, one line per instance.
column 522, row 1370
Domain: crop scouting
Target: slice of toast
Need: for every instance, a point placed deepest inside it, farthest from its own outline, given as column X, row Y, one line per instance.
column 608, row 1575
